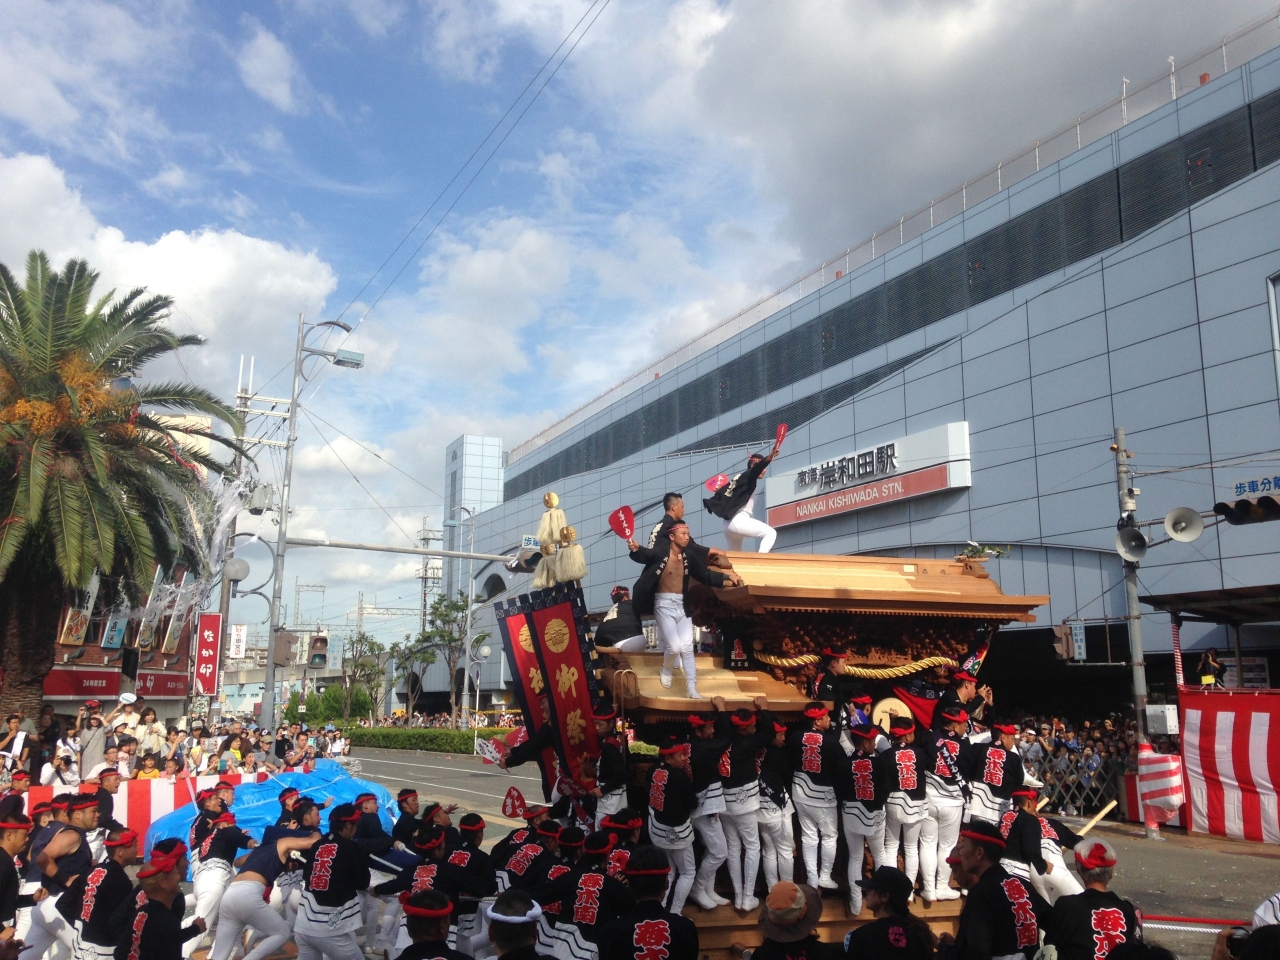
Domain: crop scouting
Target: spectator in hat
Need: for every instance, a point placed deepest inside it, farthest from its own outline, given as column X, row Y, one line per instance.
column 650, row 926
column 1090, row 925
column 93, row 738
column 790, row 916
column 895, row 934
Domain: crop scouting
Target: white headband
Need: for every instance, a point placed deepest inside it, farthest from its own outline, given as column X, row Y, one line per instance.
column 534, row 913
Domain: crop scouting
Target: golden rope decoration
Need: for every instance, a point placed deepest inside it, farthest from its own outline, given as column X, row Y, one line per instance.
column 865, row 673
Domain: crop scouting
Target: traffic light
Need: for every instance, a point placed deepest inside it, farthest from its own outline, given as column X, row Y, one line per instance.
column 318, row 658
column 284, row 648
column 1248, row 510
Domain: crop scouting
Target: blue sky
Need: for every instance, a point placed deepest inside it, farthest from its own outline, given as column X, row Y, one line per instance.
column 258, row 160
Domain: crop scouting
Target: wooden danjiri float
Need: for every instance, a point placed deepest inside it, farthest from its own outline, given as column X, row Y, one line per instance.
column 902, row 621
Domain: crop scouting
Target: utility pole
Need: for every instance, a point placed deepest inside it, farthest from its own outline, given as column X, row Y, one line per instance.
column 1128, row 497
column 224, row 599
column 430, row 572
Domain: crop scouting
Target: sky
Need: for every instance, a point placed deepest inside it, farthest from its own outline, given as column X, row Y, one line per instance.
column 258, row 161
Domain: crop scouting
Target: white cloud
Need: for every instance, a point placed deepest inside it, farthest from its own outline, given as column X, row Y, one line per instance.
column 170, row 180
column 237, row 290
column 269, row 69
column 331, row 457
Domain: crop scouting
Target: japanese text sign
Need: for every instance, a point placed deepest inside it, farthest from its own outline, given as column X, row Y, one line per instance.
column 208, row 653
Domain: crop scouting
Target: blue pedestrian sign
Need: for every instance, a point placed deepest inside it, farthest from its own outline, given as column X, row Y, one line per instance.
column 1077, row 642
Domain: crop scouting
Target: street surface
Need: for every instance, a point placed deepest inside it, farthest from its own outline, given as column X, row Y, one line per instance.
column 1183, row 876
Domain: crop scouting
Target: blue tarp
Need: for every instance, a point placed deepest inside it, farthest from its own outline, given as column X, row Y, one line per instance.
column 257, row 805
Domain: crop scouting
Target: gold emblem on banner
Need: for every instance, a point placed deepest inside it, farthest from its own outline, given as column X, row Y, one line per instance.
column 525, row 640
column 557, row 636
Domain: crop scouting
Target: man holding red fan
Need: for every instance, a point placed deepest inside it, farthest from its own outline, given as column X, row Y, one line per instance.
column 734, row 502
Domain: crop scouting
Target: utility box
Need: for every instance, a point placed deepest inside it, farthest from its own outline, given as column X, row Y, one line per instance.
column 1162, row 719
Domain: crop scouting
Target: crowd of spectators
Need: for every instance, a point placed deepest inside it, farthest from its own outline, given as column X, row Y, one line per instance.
column 444, row 720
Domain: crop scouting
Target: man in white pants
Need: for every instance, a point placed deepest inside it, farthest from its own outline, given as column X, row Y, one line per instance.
column 671, row 803
column 816, row 757
column 734, row 503
column 904, row 806
column 860, row 787
column 706, row 748
column 777, row 839
column 944, row 788
column 62, row 860
column 246, row 904
column 663, row 590
column 752, row 733
column 1056, row 881
column 335, row 871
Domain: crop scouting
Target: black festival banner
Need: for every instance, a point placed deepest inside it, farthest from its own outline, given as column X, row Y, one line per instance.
column 517, row 643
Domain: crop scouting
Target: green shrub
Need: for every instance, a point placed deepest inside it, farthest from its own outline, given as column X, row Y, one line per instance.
column 434, row 739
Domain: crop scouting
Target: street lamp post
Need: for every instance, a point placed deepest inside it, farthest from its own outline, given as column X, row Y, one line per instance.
column 341, row 358
column 471, row 599
column 484, row 656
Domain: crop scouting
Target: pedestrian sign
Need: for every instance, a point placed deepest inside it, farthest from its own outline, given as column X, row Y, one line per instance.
column 1077, row 642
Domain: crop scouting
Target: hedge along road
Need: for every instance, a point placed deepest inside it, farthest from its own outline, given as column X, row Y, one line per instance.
column 475, row 786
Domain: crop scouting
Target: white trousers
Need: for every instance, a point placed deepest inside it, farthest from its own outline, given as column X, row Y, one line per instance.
column 777, row 850
column 634, row 644
column 859, row 835
column 683, row 873
column 938, row 834
column 1061, row 883
column 715, row 851
column 208, row 884
column 22, row 919
column 334, row 946
column 675, row 634
column 745, row 525
column 742, row 839
column 817, row 828
column 909, row 832
column 48, row 930
column 242, row 906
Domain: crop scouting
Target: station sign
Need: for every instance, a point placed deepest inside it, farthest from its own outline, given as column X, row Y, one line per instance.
column 903, row 469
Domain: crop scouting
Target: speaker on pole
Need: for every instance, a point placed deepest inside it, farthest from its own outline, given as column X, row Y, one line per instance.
column 1131, row 544
column 1184, row 524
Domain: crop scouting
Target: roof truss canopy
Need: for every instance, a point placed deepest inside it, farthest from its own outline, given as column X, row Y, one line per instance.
column 1233, row 606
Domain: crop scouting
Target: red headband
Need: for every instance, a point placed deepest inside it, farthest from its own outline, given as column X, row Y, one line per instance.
column 224, row 785
column 62, row 800
column 363, row 797
column 83, row 802
column 611, row 715
column 862, row 699
column 905, row 724
column 15, row 826
column 20, row 775
column 741, row 723
column 607, row 848
column 1095, row 859
column 406, row 795
column 126, row 838
column 1029, row 792
column 699, row 720
column 430, row 844
column 1007, row 728
column 471, row 826
column 674, row 748
column 815, row 713
column 572, row 843
column 549, row 828
column 608, row 823
column 227, row 817
column 959, row 716
column 352, row 817
column 964, row 676
column 412, row 911
column 779, row 727
column 288, row 792
column 836, row 654
column 869, row 734
column 983, row 838
column 163, row 862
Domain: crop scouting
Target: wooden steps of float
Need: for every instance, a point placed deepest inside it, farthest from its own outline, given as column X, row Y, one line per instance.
column 722, row 927
column 738, row 687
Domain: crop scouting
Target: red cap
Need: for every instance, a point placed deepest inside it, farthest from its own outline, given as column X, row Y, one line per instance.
column 1094, row 855
column 834, row 654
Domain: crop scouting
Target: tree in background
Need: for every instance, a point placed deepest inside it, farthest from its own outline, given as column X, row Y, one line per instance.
column 363, row 665
column 410, row 659
column 91, row 479
column 328, row 707
column 446, row 639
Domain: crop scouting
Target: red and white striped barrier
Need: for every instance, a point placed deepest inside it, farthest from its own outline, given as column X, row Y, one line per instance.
column 1160, row 790
column 139, row 803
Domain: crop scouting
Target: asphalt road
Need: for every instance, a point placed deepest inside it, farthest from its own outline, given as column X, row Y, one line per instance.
column 1182, row 876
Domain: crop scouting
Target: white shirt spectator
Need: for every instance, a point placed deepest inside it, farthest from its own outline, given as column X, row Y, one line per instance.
column 337, row 746
column 56, row 775
column 1268, row 912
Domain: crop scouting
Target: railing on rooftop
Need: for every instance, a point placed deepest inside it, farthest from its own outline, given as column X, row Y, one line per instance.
column 1135, row 101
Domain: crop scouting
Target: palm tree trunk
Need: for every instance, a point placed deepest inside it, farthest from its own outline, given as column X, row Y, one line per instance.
column 29, row 615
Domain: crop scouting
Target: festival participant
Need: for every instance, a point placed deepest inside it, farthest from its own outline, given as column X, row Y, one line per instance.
column 149, row 926
column 734, row 503
column 833, row 682
column 894, row 933
column 246, row 903
column 1003, row 915
column 903, row 767
column 530, row 864
column 534, row 814
column 752, row 733
column 427, row 915
column 435, row 872
column 671, row 805
column 19, row 784
column 335, row 871
column 570, row 841
column 994, row 770
column 15, row 832
column 1021, row 832
column 788, row 923
column 859, row 710
column 534, row 744
column 663, row 591
column 213, row 874
column 777, row 839
column 709, row 742
column 32, row 875
column 64, row 857
column 407, row 823
column 92, row 900
column 1090, row 924
column 816, row 756
column 1056, row 880
column 625, row 826
column 620, row 629
column 105, row 780
column 672, row 513
column 286, row 891
column 468, row 854
column 586, row 895
column 944, row 792
column 650, row 930
column 611, row 779
column 513, row 926
column 964, row 694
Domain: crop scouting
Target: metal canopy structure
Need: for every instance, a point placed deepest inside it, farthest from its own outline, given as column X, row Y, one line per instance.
column 1232, row 607
column 873, row 586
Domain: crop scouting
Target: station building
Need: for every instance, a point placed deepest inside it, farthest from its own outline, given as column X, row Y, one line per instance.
column 965, row 385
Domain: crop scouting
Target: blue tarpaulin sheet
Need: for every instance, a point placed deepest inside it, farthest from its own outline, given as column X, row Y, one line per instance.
column 257, row 805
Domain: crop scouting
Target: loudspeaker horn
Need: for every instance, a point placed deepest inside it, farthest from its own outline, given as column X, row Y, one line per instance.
column 1131, row 544
column 1184, row 524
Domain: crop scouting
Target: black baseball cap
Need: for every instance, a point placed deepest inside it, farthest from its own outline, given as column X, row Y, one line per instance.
column 888, row 880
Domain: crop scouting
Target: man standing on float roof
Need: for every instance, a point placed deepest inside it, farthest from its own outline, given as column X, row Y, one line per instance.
column 735, row 501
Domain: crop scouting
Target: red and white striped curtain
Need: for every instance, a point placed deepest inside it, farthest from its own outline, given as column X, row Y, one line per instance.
column 1231, row 757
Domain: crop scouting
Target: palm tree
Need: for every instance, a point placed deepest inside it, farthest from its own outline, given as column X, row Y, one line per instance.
column 90, row 478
